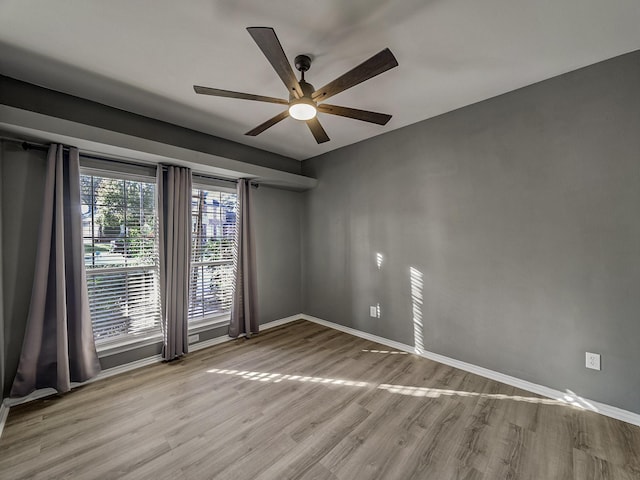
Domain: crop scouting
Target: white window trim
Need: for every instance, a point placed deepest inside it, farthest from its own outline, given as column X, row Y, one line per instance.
column 131, row 341
column 204, row 183
column 116, row 346
column 217, row 319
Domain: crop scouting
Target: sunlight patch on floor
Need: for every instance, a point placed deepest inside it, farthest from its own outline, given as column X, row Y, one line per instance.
column 278, row 377
column 407, row 390
column 389, row 352
column 439, row 392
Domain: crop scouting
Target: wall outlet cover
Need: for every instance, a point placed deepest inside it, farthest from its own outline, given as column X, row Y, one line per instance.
column 373, row 311
column 592, row 360
column 194, row 338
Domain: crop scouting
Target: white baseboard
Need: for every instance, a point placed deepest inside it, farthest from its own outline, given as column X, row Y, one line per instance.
column 226, row 338
column 4, row 413
column 110, row 372
column 127, row 367
column 43, row 392
column 567, row 397
column 281, row 321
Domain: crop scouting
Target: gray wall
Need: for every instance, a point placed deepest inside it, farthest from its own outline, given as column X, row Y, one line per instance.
column 519, row 217
column 277, row 217
column 26, row 96
column 278, row 254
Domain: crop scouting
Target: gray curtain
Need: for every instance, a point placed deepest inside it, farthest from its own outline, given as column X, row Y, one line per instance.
column 174, row 202
column 58, row 346
column 244, row 313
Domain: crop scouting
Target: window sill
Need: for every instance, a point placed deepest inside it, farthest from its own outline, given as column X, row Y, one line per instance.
column 118, row 346
column 127, row 344
column 209, row 323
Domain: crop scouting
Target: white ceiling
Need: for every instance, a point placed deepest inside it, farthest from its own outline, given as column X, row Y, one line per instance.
column 144, row 56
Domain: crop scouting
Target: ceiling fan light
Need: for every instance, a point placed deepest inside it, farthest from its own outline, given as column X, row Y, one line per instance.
column 303, row 110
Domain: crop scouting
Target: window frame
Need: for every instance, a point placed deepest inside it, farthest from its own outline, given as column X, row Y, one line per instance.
column 208, row 322
column 129, row 341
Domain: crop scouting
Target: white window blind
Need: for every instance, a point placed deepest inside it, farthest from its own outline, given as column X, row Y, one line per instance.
column 213, row 214
column 121, row 255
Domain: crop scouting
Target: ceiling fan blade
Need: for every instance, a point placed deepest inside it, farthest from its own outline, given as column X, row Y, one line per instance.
column 379, row 63
column 364, row 115
column 318, row 132
column 268, row 42
column 216, row 92
column 269, row 123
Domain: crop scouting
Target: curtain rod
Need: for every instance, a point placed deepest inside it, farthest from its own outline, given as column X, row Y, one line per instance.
column 43, row 147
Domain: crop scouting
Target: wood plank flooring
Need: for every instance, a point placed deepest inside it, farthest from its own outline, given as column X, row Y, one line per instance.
column 306, row 402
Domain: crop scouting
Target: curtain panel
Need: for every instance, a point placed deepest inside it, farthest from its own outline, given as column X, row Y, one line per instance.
column 174, row 215
column 244, row 311
column 58, row 346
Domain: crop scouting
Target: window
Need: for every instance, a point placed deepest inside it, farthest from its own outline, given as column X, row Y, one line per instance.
column 121, row 255
column 213, row 215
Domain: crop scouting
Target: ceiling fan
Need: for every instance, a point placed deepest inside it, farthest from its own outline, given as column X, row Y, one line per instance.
column 304, row 100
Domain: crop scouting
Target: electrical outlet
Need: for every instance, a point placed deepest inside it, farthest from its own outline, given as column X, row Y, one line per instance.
column 194, row 338
column 593, row 360
column 373, row 311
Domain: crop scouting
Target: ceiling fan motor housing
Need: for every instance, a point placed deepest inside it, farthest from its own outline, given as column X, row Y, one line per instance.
column 307, row 90
column 302, row 63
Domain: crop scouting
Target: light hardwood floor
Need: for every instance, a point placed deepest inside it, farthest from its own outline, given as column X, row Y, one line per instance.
column 304, row 401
